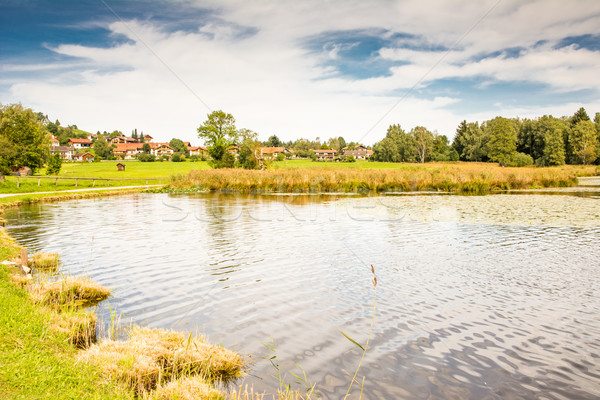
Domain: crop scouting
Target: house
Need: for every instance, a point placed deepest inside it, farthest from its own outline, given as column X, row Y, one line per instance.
column 325, row 155
column 127, row 151
column 122, row 139
column 197, row 151
column 66, row 152
column 358, row 152
column 120, row 167
column 271, row 152
column 92, row 136
column 161, row 149
column 54, row 141
column 83, row 157
column 80, row 143
column 148, row 138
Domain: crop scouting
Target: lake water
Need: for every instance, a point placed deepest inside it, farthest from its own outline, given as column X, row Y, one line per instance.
column 478, row 297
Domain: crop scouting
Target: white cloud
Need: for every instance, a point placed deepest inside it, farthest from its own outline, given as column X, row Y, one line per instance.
column 274, row 86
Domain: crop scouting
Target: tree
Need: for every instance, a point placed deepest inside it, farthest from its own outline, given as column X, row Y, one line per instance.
column 134, row 134
column 24, row 140
column 54, row 165
column 274, row 141
column 580, row 115
column 397, row 146
column 554, row 148
column 146, row 148
column 502, row 145
column 423, row 140
column 219, row 133
column 583, row 142
column 470, row 142
column 248, row 155
column 178, row 146
column 102, row 148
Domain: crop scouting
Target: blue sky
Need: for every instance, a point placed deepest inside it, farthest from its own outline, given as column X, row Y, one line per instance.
column 298, row 69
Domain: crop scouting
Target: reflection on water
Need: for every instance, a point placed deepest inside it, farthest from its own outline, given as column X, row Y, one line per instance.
column 479, row 297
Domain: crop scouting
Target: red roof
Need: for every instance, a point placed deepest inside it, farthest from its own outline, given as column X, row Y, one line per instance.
column 325, row 151
column 81, row 141
column 271, row 150
column 128, row 146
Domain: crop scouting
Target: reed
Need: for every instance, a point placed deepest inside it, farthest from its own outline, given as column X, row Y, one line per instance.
column 68, row 292
column 78, row 325
column 45, row 261
column 152, row 358
column 447, row 177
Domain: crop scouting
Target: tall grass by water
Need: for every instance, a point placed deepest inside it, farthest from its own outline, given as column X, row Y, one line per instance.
column 446, row 177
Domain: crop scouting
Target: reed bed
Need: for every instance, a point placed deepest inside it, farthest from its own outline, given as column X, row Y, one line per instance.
column 68, row 292
column 151, row 358
column 45, row 261
column 450, row 177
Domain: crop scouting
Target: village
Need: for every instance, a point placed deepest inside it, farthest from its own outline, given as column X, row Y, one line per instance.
column 131, row 148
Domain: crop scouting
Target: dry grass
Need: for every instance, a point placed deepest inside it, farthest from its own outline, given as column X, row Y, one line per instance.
column 450, row 177
column 153, row 357
column 45, row 261
column 68, row 291
column 78, row 325
column 188, row 388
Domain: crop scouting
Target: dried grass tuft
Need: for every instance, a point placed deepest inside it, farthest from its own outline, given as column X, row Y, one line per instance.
column 78, row 325
column 188, row 388
column 153, row 357
column 45, row 261
column 68, row 291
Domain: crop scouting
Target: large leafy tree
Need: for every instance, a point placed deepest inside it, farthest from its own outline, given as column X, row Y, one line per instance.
column 583, row 142
column 502, row 145
column 274, row 141
column 219, row 133
column 249, row 157
column 423, row 140
column 178, row 146
column 24, row 140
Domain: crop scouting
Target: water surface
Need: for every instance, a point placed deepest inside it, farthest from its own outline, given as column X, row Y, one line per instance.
column 478, row 297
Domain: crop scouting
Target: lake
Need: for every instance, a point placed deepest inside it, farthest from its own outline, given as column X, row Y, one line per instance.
column 478, row 297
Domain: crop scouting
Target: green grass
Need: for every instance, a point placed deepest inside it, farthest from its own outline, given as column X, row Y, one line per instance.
column 36, row 362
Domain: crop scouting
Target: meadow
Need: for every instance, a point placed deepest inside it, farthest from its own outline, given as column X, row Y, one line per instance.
column 303, row 176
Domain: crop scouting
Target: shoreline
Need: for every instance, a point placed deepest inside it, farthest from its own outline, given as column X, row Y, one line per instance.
column 164, row 364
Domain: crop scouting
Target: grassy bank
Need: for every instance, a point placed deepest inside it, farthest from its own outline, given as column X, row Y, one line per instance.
column 447, row 177
column 38, row 362
column 43, row 324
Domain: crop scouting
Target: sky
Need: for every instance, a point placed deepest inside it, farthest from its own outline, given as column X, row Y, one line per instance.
column 298, row 69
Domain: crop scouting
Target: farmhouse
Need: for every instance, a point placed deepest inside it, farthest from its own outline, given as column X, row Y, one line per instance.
column 66, row 152
column 325, row 155
column 359, row 152
column 127, row 151
column 83, row 157
column 197, row 151
column 80, row 143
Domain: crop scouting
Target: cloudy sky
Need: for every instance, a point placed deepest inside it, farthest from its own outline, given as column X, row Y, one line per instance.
column 298, row 68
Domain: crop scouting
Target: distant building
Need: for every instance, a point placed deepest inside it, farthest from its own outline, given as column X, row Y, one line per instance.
column 80, row 143
column 197, row 151
column 272, row 152
column 161, row 149
column 123, row 139
column 127, row 151
column 359, row 152
column 83, row 157
column 66, row 152
column 120, row 167
column 325, row 155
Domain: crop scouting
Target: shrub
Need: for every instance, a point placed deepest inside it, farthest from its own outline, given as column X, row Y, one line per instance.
column 520, row 160
column 177, row 157
column 143, row 157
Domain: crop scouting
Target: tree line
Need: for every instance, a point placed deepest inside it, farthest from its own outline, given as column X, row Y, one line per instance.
column 545, row 141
